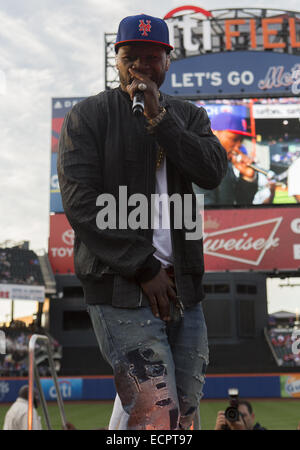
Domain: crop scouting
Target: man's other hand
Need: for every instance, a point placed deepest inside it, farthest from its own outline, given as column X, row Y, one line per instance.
column 160, row 291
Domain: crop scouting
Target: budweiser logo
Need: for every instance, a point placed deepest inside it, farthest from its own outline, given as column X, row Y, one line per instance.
column 211, row 223
column 246, row 243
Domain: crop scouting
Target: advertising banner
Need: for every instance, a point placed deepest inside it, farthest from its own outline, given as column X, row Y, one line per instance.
column 55, row 196
column 234, row 239
column 252, row 239
column 98, row 388
column 213, row 109
column 9, row 389
column 244, row 73
column 22, row 292
column 290, row 385
column 103, row 388
column 277, row 111
column 70, row 388
column 251, row 386
column 193, row 29
column 60, row 106
column 61, row 242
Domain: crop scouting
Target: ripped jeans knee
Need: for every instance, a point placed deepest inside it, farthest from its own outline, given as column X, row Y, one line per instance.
column 146, row 391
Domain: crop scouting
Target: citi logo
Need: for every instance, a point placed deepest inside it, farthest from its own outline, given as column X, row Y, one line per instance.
column 65, row 390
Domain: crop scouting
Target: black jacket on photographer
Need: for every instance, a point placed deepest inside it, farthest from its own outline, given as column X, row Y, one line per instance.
column 103, row 146
column 258, row 426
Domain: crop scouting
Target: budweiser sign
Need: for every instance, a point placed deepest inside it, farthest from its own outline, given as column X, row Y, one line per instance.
column 246, row 243
column 261, row 239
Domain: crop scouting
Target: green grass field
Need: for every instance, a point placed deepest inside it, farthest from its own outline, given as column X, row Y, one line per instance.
column 272, row 414
column 281, row 196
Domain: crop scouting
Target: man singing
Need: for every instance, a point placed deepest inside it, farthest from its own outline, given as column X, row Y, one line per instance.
column 142, row 285
column 240, row 184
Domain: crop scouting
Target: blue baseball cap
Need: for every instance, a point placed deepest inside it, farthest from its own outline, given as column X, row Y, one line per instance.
column 143, row 28
column 243, row 150
column 230, row 122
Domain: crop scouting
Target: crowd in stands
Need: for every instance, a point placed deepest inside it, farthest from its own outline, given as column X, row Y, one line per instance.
column 15, row 360
column 282, row 333
column 19, row 266
column 282, row 341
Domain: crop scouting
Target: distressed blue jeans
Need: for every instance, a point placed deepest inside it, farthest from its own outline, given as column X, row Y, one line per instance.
column 159, row 367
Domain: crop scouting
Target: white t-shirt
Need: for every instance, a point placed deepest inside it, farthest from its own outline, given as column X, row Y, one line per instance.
column 119, row 417
column 294, row 178
column 162, row 233
column 16, row 417
column 263, row 192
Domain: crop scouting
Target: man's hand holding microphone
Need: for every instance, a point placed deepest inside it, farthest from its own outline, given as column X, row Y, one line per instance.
column 144, row 94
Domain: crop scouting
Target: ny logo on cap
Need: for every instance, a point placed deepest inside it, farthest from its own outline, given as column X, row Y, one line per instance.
column 145, row 27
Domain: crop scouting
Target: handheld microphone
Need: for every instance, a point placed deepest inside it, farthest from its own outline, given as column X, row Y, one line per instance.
column 138, row 104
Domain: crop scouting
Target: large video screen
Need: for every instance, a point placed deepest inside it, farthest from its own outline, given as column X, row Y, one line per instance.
column 262, row 140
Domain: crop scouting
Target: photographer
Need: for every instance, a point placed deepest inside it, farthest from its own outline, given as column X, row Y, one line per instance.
column 246, row 419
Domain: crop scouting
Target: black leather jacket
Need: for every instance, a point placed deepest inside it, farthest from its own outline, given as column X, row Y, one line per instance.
column 103, row 146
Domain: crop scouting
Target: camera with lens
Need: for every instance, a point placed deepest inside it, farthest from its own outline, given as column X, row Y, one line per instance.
column 232, row 413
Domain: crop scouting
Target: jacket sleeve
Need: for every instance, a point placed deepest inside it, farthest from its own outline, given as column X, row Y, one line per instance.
column 246, row 191
column 80, row 167
column 192, row 147
column 210, row 195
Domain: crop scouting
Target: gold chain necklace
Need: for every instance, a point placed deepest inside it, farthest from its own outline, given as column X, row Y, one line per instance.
column 160, row 157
